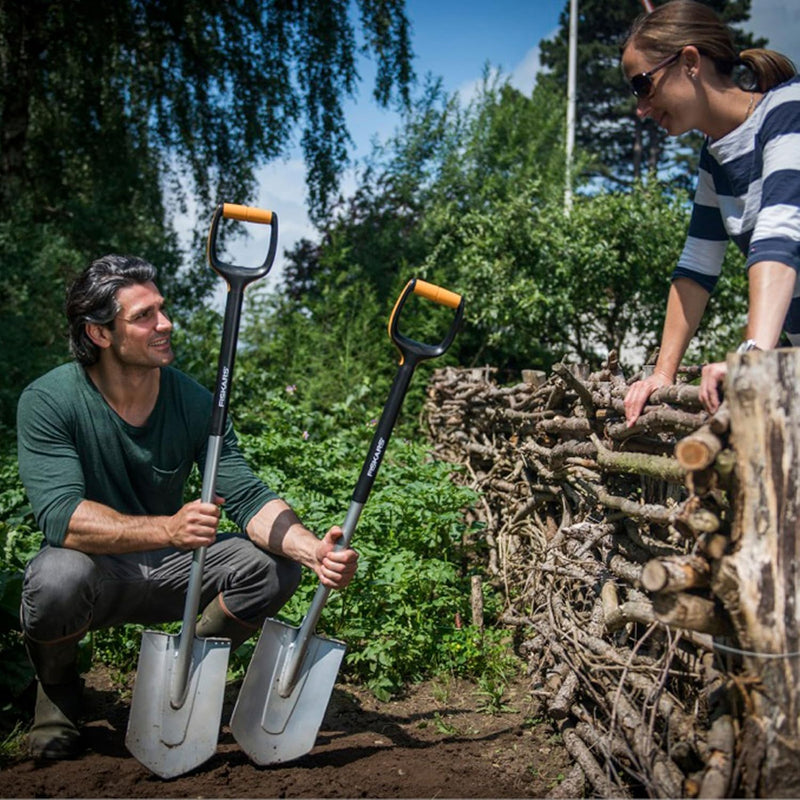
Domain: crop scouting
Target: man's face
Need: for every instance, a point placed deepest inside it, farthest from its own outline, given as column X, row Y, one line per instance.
column 142, row 331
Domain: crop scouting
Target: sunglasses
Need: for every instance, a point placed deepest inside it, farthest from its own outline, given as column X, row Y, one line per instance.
column 642, row 84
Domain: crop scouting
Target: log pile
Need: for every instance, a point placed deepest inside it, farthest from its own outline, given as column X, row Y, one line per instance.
column 605, row 540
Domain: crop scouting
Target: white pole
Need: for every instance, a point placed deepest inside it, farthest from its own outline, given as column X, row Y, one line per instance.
column 572, row 68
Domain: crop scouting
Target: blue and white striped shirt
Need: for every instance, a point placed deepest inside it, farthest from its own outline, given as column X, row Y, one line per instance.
column 748, row 191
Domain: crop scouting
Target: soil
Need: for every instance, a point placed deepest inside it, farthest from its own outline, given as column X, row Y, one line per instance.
column 435, row 741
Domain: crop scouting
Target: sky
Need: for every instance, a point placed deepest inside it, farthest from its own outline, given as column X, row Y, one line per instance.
column 455, row 41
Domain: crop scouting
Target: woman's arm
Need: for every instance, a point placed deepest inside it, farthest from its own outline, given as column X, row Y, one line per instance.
column 771, row 285
column 685, row 306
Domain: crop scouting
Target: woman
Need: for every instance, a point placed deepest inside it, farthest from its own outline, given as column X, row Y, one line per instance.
column 680, row 61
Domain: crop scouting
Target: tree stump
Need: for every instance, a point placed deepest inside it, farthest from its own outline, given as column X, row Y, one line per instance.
column 759, row 582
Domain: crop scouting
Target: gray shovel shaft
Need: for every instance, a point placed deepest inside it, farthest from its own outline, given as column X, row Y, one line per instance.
column 183, row 658
column 299, row 646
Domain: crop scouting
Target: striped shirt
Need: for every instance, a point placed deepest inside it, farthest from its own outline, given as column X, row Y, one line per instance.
column 748, row 191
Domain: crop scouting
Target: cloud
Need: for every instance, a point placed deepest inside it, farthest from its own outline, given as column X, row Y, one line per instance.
column 524, row 74
column 522, row 77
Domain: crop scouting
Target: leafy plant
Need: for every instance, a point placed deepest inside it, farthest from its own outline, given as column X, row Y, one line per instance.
column 19, row 541
column 398, row 614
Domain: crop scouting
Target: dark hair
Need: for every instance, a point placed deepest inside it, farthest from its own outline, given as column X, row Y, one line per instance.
column 92, row 298
column 680, row 23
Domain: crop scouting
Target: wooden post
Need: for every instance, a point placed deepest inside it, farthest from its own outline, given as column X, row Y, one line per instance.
column 759, row 582
column 476, row 601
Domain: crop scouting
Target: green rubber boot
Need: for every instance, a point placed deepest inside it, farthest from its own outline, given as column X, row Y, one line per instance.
column 215, row 623
column 55, row 734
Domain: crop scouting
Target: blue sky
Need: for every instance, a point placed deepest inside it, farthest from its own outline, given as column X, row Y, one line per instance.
column 452, row 40
column 455, row 40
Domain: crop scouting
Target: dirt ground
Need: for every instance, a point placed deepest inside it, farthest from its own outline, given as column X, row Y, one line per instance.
column 433, row 742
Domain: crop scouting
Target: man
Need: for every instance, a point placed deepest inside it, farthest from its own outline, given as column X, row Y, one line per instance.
column 106, row 444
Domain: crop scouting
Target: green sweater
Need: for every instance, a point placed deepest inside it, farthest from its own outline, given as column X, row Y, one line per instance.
column 72, row 446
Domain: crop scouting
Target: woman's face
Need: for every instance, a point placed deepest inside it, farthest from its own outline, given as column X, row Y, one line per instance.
column 671, row 101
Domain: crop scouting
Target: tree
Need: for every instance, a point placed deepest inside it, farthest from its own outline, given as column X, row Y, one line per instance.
column 624, row 147
column 472, row 199
column 217, row 87
column 106, row 106
column 371, row 235
column 543, row 285
column 445, row 163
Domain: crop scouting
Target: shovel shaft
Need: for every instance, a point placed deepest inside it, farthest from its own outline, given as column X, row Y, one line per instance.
column 227, row 357
column 183, row 658
column 298, row 648
column 383, row 432
column 237, row 279
column 412, row 353
column 292, row 672
column 369, row 470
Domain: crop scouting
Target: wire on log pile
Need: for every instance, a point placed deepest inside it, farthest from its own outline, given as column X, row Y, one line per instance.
column 603, row 538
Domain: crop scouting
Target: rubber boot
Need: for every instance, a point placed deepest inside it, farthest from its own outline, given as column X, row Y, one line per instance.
column 216, row 622
column 54, row 734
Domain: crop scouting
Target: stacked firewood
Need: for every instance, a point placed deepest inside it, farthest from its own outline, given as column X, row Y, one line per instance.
column 604, row 539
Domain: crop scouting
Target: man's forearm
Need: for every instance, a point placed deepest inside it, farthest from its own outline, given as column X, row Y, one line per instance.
column 277, row 529
column 97, row 529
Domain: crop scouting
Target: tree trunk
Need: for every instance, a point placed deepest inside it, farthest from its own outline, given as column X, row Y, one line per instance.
column 637, row 148
column 759, row 582
column 19, row 49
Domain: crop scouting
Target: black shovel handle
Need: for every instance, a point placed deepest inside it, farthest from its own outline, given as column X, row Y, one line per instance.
column 237, row 278
column 411, row 354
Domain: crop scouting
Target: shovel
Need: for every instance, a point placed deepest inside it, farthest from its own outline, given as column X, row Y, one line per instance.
column 180, row 680
column 290, row 679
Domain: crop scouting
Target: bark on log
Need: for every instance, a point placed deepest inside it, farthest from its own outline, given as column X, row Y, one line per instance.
column 572, row 785
column 658, row 467
column 631, row 611
column 691, row 612
column 760, row 583
column 476, row 602
column 668, row 779
column 593, row 771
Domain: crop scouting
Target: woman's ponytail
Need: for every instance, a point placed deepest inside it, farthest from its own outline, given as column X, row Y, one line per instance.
column 767, row 67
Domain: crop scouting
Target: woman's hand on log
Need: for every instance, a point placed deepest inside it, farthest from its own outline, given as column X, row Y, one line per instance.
column 639, row 392
column 710, row 380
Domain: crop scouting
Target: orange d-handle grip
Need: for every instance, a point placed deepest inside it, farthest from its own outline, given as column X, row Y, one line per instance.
column 246, row 213
column 430, row 291
column 411, row 352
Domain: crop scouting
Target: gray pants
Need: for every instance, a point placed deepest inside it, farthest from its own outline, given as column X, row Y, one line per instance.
column 67, row 593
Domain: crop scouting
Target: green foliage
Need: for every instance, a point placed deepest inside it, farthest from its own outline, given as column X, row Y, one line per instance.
column 550, row 284
column 398, row 615
column 106, row 109
column 333, row 348
column 175, row 82
column 19, row 542
column 118, row 647
column 451, row 182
